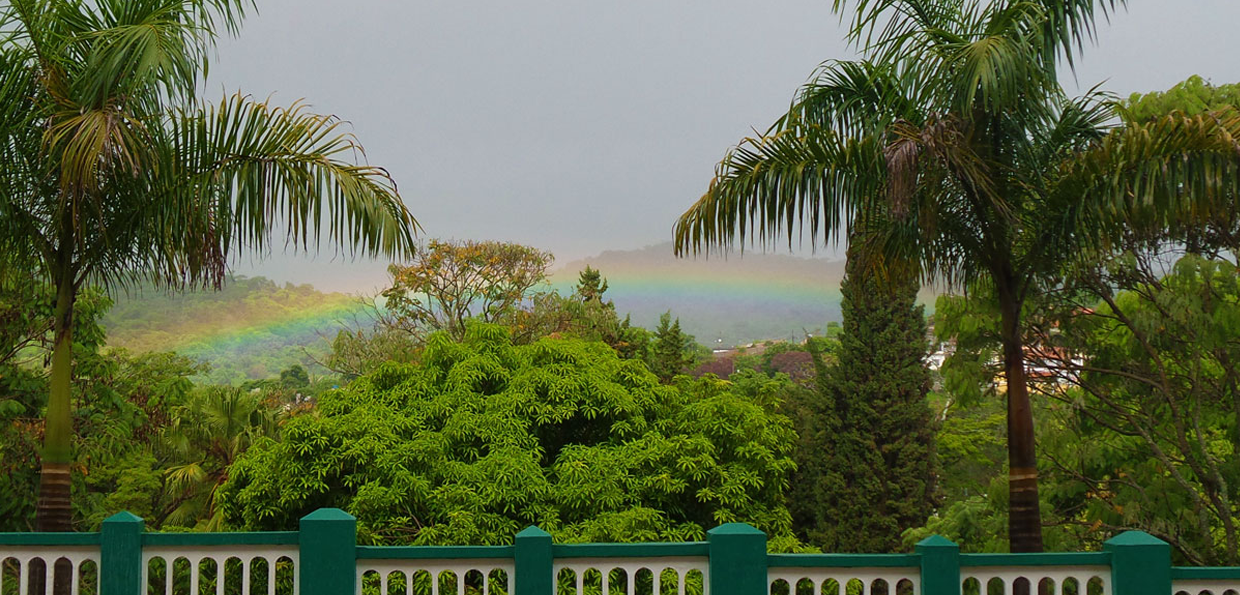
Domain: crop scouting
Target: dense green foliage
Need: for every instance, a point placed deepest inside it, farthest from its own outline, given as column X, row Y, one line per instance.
column 1136, row 381
column 114, row 171
column 952, row 143
column 866, row 463
column 1147, row 433
column 1192, row 97
column 484, row 437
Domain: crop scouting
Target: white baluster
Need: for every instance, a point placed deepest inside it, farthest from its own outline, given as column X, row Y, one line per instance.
column 271, row 578
column 195, row 566
column 23, row 577
column 74, row 581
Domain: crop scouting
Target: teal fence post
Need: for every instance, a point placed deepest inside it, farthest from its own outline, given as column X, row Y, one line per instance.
column 327, row 553
column 1140, row 564
column 737, row 560
column 940, row 565
column 532, row 559
column 120, row 555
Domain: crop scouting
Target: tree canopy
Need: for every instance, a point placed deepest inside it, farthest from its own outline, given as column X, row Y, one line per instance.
column 484, row 437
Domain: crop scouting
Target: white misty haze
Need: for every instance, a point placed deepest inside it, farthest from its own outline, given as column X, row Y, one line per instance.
column 587, row 125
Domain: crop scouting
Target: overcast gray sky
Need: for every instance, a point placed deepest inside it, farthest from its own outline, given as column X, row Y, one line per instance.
column 579, row 126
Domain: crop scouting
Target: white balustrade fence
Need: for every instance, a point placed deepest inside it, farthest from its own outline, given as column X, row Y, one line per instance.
column 239, row 568
column 836, row 581
column 323, row 558
column 682, row 575
column 1205, row 587
column 19, row 564
column 1059, row 580
column 486, row 576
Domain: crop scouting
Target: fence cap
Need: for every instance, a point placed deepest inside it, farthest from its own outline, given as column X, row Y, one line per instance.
column 123, row 516
column 735, row 529
column 1134, row 538
column 533, row 531
column 329, row 514
column 937, row 541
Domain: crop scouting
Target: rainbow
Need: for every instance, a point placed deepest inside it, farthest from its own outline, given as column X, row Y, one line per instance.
column 244, row 333
column 721, row 302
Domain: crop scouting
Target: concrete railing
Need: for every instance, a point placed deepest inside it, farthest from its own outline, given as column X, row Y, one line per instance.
column 323, row 558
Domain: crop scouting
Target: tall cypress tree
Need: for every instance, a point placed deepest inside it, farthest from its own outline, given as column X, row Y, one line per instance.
column 866, row 464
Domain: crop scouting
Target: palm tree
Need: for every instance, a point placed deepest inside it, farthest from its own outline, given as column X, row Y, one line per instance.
column 115, row 172
column 953, row 145
column 214, row 427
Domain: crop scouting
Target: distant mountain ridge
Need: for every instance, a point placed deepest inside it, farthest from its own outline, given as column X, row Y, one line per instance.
column 721, row 301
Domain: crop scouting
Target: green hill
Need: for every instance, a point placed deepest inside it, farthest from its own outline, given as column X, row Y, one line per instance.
column 251, row 329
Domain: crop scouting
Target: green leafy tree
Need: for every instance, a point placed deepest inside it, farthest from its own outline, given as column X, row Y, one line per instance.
column 1214, row 223
column 122, row 403
column 866, row 461
column 954, row 132
column 115, row 171
column 294, row 377
column 591, row 285
column 1192, row 97
column 484, row 437
column 448, row 283
column 1144, row 377
column 594, row 318
column 671, row 350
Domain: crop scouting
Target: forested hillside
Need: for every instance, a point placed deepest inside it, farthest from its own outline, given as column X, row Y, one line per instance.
column 250, row 329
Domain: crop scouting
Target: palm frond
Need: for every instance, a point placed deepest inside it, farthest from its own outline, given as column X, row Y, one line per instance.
column 229, row 173
column 184, row 478
column 996, row 63
column 770, row 185
column 1069, row 24
column 885, row 28
column 853, row 98
column 1157, row 173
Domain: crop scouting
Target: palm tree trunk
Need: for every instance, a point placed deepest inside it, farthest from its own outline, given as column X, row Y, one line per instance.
column 54, row 511
column 1024, row 516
